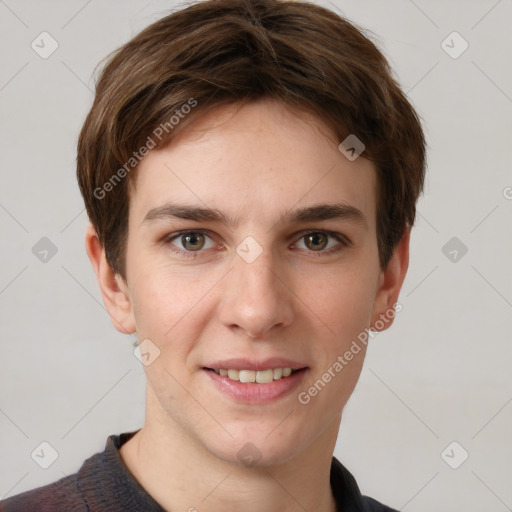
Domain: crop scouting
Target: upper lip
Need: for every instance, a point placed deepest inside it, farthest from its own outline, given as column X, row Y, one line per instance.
column 242, row 363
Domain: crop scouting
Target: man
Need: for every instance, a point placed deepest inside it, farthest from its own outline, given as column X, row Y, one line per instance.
column 250, row 170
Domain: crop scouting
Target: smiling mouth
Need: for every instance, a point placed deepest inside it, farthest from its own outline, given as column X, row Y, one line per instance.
column 256, row 376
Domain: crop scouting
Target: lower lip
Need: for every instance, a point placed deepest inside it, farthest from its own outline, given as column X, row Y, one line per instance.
column 254, row 393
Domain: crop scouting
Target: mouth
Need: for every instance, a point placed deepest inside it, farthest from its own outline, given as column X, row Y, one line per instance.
column 260, row 376
column 255, row 386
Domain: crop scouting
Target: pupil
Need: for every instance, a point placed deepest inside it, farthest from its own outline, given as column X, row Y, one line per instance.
column 314, row 239
column 191, row 242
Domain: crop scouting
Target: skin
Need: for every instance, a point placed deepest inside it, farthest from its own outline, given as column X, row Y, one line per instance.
column 253, row 162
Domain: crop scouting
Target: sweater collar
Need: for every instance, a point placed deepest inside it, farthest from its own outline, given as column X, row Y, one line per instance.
column 118, row 486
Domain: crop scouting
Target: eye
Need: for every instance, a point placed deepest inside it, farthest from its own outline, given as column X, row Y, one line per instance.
column 190, row 241
column 317, row 241
column 187, row 243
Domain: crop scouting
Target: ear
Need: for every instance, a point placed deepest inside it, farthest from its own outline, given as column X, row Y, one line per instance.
column 114, row 289
column 390, row 283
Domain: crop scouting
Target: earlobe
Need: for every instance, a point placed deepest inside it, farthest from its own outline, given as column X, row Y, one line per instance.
column 114, row 290
column 390, row 284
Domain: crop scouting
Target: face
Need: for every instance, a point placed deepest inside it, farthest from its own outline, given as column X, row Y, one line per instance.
column 252, row 246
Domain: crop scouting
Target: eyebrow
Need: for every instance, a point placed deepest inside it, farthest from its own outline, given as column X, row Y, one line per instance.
column 317, row 212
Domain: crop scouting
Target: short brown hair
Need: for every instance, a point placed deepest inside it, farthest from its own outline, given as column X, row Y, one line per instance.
column 226, row 51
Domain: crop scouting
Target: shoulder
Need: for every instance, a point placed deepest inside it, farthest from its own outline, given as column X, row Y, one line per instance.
column 371, row 505
column 347, row 494
column 60, row 496
column 101, row 483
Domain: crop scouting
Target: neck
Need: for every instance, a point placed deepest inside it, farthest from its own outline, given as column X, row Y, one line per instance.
column 181, row 474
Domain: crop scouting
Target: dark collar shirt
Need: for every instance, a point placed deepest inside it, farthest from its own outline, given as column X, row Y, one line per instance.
column 104, row 484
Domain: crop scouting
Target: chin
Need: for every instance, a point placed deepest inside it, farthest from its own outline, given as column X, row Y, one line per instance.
column 257, row 448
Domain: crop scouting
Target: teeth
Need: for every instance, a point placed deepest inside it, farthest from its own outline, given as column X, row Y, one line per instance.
column 247, row 376
column 234, row 374
column 265, row 376
column 260, row 376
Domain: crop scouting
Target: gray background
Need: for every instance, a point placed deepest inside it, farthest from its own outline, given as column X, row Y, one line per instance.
column 440, row 374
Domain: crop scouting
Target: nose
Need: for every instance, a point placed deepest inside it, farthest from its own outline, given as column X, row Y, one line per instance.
column 256, row 298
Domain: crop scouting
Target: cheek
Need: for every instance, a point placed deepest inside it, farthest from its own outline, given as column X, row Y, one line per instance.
column 169, row 304
column 344, row 301
column 347, row 306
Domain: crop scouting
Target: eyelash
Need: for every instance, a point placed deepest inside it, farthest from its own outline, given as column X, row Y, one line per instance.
column 343, row 241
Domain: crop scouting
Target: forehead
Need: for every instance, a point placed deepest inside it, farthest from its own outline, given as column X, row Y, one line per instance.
column 254, row 162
